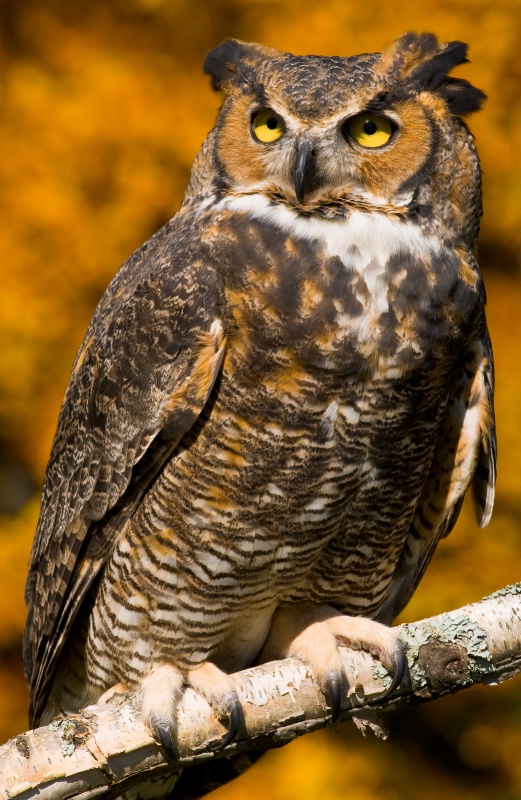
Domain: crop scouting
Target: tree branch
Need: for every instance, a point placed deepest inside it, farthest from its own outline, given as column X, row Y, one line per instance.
column 107, row 749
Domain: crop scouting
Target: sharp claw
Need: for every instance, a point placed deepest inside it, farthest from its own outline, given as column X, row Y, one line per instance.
column 164, row 734
column 235, row 720
column 334, row 699
column 399, row 665
column 336, row 686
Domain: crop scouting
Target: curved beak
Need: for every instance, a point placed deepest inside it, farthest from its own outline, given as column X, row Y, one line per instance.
column 304, row 169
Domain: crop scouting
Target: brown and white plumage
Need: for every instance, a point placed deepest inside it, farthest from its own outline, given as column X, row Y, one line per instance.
column 282, row 397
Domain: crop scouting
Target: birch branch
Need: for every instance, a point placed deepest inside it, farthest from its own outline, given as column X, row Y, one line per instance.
column 107, row 750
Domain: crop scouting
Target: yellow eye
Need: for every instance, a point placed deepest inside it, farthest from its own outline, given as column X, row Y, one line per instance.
column 368, row 130
column 267, row 126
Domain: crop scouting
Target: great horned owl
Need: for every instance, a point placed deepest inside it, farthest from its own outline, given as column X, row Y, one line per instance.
column 282, row 398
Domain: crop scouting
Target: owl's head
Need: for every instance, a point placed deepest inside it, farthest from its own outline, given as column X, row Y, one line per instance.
column 379, row 131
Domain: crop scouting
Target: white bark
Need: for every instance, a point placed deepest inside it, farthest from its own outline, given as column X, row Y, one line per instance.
column 107, row 749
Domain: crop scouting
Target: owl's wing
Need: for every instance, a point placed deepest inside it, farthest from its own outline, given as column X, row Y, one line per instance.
column 141, row 379
column 465, row 457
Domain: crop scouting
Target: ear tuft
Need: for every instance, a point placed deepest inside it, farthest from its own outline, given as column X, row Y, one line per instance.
column 462, row 97
column 222, row 63
column 432, row 72
column 407, row 54
column 420, row 63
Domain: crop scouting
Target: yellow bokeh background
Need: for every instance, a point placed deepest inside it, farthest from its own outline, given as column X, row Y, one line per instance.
column 103, row 108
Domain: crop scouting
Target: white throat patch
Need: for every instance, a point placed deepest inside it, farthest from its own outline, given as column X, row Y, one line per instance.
column 376, row 235
column 364, row 241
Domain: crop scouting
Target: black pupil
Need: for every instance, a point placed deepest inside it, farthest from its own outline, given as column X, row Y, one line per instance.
column 272, row 123
column 370, row 127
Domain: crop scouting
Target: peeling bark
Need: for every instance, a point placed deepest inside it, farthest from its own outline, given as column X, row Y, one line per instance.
column 107, row 750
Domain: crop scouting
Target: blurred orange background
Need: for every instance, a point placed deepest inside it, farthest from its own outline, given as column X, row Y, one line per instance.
column 104, row 108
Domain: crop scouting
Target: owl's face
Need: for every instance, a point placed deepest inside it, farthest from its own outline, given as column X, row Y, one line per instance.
column 377, row 130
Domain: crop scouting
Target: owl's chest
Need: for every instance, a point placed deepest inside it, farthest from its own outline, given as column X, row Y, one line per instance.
column 362, row 296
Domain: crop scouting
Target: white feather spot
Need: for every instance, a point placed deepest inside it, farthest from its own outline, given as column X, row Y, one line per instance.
column 316, row 505
column 350, row 414
column 216, row 328
column 328, row 421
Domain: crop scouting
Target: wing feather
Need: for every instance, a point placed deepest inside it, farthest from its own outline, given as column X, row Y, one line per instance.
column 142, row 377
column 484, row 479
column 465, row 457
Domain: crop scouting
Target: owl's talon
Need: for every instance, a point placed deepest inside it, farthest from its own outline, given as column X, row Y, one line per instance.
column 235, row 715
column 397, row 672
column 335, row 688
column 163, row 732
column 399, row 665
